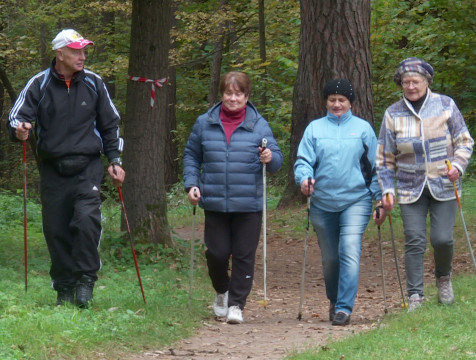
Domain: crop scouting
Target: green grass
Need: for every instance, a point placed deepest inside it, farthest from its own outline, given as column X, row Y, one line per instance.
column 32, row 327
column 431, row 332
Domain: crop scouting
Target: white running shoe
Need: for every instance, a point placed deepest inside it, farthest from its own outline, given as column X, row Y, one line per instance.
column 220, row 305
column 235, row 315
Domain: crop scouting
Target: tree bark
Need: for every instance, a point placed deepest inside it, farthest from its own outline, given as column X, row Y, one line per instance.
column 262, row 49
column 334, row 42
column 146, row 128
column 217, row 60
column 171, row 173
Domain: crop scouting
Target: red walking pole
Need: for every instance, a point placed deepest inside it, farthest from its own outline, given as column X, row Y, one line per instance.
column 130, row 238
column 131, row 242
column 25, row 237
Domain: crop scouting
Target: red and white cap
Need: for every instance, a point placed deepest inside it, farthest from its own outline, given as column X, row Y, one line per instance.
column 70, row 38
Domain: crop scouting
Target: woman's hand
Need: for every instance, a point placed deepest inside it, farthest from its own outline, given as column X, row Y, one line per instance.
column 453, row 174
column 379, row 215
column 194, row 195
column 388, row 202
column 265, row 155
column 306, row 188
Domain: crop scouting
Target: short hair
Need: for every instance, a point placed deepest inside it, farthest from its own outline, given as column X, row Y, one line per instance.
column 238, row 79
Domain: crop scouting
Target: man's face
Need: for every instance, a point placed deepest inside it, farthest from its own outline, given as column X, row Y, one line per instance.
column 72, row 59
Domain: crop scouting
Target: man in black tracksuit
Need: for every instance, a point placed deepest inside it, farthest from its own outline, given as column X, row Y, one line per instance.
column 75, row 121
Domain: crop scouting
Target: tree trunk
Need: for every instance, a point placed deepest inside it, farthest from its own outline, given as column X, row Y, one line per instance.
column 217, row 60
column 262, row 50
column 146, row 129
column 335, row 42
column 171, row 173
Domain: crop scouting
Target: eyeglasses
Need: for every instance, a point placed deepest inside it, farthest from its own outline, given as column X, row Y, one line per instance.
column 416, row 83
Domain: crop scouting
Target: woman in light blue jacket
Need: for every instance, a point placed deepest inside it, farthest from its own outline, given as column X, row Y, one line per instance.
column 337, row 153
column 223, row 172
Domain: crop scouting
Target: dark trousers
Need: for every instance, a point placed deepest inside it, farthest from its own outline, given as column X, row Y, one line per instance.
column 72, row 221
column 235, row 234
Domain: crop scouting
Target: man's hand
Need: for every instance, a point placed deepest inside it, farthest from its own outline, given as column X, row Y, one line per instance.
column 22, row 131
column 117, row 174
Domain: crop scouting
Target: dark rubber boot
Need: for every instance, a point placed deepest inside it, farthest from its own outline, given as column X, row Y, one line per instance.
column 84, row 291
column 65, row 295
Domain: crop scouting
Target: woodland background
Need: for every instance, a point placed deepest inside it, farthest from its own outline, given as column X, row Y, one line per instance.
column 193, row 42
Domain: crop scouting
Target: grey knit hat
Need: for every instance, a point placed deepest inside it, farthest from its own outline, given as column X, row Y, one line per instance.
column 341, row 87
column 413, row 64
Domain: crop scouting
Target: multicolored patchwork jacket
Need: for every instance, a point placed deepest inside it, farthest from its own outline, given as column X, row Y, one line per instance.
column 413, row 148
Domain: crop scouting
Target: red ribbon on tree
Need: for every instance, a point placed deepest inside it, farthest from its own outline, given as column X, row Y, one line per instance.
column 155, row 83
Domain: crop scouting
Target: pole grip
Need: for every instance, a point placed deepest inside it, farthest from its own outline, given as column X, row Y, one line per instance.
column 264, row 143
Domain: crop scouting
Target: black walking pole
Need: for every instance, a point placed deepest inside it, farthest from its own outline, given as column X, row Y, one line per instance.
column 303, row 273
column 130, row 237
column 448, row 164
column 377, row 214
column 404, row 303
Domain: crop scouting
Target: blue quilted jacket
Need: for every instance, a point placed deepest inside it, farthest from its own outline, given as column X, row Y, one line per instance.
column 230, row 176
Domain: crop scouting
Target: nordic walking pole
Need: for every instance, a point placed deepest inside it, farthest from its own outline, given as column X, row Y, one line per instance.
column 264, row 142
column 303, row 274
column 448, row 164
column 130, row 237
column 192, row 251
column 404, row 303
column 25, row 236
column 377, row 214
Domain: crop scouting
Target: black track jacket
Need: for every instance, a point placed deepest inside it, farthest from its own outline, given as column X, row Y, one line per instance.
column 79, row 120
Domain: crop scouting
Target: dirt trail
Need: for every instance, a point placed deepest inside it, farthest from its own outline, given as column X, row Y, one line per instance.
column 273, row 332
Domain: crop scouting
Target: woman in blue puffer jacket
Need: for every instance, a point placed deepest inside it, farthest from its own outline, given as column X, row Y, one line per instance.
column 223, row 163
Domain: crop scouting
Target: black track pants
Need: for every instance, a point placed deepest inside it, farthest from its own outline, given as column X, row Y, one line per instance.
column 235, row 234
column 72, row 221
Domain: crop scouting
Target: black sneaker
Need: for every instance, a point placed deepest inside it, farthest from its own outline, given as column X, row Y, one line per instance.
column 65, row 295
column 332, row 312
column 341, row 319
column 84, row 291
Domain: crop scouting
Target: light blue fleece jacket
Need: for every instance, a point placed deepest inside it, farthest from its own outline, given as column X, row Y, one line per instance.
column 339, row 153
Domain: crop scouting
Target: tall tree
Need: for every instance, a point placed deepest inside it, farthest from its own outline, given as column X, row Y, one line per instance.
column 145, row 129
column 171, row 173
column 335, row 42
column 217, row 60
column 262, row 49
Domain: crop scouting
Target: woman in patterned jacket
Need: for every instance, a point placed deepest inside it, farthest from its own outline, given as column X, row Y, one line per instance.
column 418, row 134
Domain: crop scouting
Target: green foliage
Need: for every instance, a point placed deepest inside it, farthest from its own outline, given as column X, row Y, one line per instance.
column 438, row 31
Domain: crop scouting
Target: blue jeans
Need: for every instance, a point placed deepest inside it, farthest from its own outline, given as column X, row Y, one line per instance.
column 339, row 235
column 442, row 220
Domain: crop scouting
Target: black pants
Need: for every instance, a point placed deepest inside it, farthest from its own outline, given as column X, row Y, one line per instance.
column 72, row 221
column 235, row 234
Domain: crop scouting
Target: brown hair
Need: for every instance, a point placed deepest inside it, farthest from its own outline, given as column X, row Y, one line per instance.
column 238, row 79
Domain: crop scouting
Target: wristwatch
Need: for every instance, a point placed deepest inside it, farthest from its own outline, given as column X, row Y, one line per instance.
column 116, row 161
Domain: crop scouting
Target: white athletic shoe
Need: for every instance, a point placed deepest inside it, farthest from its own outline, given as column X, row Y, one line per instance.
column 220, row 305
column 235, row 315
